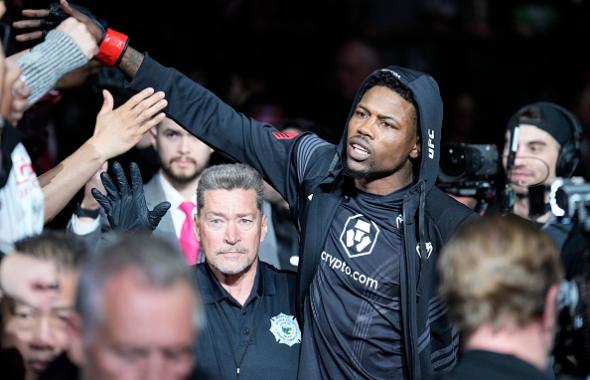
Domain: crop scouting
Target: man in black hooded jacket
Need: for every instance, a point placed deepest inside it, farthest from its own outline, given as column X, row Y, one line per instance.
column 371, row 221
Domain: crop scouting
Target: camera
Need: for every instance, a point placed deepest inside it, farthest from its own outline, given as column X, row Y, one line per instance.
column 571, row 352
column 469, row 170
column 570, row 199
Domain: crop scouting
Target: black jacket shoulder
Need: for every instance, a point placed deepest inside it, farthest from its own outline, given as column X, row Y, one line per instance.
column 447, row 212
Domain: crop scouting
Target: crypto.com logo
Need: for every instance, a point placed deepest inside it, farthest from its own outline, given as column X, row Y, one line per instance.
column 359, row 236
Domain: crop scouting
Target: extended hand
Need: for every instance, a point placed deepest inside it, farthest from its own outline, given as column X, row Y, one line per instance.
column 125, row 207
column 29, row 279
column 78, row 32
column 118, row 130
column 46, row 19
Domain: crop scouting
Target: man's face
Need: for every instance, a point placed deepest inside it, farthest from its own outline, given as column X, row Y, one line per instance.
column 182, row 155
column 382, row 135
column 39, row 331
column 145, row 332
column 230, row 227
column 536, row 158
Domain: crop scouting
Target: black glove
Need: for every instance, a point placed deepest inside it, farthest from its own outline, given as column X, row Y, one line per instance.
column 57, row 15
column 126, row 208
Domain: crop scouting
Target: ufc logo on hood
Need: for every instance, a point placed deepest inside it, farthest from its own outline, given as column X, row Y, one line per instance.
column 431, row 144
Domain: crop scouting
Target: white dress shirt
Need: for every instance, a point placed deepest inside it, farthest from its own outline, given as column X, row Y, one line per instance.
column 175, row 199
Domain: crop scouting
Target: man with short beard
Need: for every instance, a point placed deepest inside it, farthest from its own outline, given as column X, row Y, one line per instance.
column 182, row 157
column 251, row 330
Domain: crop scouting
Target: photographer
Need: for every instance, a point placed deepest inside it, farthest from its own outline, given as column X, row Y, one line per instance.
column 542, row 143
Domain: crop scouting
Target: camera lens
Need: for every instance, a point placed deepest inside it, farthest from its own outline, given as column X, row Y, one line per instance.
column 452, row 161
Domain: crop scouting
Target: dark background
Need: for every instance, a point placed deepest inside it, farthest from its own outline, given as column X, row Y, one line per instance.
column 489, row 57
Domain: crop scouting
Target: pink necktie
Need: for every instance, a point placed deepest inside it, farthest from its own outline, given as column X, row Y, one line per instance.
column 188, row 241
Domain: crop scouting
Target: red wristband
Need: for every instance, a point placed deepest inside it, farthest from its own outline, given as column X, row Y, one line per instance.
column 112, row 47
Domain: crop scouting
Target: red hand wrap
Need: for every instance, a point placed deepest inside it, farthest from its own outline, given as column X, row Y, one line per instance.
column 112, row 47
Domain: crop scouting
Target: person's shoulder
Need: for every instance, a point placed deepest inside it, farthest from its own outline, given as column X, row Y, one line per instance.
column 272, row 271
column 314, row 155
column 442, row 205
column 284, row 281
column 446, row 214
column 200, row 273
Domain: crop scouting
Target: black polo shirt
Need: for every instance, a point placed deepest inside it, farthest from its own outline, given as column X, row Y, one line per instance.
column 262, row 338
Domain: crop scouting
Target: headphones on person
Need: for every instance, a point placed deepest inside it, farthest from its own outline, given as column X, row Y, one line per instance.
column 569, row 154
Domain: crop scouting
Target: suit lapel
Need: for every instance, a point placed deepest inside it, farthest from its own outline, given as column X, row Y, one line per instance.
column 154, row 194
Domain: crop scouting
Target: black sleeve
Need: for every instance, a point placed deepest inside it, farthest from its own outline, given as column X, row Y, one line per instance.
column 243, row 139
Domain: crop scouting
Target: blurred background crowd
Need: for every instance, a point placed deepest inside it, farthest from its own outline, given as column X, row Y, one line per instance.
column 300, row 62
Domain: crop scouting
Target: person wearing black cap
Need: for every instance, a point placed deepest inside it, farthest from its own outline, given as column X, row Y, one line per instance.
column 542, row 143
column 544, row 140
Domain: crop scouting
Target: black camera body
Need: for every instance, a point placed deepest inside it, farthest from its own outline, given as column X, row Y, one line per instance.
column 469, row 170
column 570, row 203
column 570, row 200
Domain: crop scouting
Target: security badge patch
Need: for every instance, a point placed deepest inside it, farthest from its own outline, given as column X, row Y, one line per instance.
column 285, row 329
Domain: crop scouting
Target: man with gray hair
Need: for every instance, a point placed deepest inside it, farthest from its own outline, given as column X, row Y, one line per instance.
column 251, row 330
column 138, row 313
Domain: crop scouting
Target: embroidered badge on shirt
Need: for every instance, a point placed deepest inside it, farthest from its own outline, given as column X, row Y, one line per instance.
column 285, row 329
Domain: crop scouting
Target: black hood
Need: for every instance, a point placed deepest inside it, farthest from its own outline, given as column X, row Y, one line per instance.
column 430, row 112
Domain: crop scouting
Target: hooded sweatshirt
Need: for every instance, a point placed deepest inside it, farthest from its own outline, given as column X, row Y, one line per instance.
column 308, row 172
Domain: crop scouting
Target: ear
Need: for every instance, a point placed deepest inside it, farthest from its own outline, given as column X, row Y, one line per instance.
column 197, row 225
column 550, row 312
column 263, row 227
column 416, row 149
column 151, row 137
column 75, row 349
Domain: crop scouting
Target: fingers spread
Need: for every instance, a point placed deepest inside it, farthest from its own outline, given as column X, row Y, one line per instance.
column 149, row 108
column 136, row 180
column 67, row 8
column 146, row 126
column 121, row 179
column 35, row 12
column 29, row 36
column 107, row 182
column 102, row 201
column 137, row 98
column 108, row 102
column 23, row 24
column 157, row 213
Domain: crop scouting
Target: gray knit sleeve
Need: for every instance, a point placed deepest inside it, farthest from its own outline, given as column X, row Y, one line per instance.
column 47, row 62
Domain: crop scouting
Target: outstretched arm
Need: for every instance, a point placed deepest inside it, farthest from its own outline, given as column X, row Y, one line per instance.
column 116, row 132
column 214, row 122
column 131, row 62
column 44, row 20
column 65, row 49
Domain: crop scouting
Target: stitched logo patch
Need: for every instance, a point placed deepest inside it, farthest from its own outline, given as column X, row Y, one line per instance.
column 285, row 329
